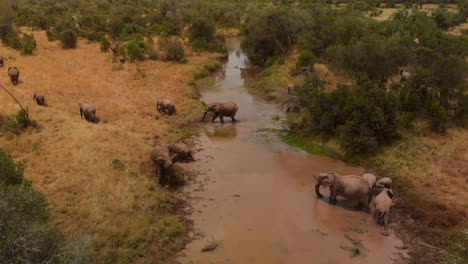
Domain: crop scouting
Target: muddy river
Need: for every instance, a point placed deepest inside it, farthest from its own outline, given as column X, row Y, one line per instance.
column 254, row 196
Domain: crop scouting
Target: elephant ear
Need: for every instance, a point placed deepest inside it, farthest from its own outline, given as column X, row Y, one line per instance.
column 216, row 107
column 174, row 158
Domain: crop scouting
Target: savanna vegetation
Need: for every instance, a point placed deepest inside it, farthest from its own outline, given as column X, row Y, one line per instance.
column 367, row 116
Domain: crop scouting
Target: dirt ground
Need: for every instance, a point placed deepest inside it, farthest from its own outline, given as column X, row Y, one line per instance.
column 71, row 160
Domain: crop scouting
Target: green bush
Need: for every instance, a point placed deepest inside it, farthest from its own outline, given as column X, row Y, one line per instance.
column 202, row 36
column 69, row 39
column 136, row 49
column 172, row 49
column 439, row 118
column 105, row 45
column 306, row 60
column 28, row 44
column 11, row 173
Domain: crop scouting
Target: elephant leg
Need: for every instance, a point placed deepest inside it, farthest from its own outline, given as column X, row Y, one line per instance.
column 332, row 198
column 214, row 117
column 233, row 119
column 221, row 118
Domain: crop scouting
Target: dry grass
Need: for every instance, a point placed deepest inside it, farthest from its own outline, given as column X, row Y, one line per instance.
column 70, row 160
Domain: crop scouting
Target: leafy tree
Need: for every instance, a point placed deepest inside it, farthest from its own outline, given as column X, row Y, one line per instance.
column 28, row 44
column 439, row 118
column 172, row 49
column 136, row 49
column 202, row 35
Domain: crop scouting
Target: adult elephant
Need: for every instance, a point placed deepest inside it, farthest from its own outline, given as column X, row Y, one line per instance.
column 88, row 110
column 14, row 73
column 228, row 109
column 351, row 187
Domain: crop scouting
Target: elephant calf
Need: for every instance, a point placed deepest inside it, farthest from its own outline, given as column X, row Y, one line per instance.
column 14, row 73
column 88, row 110
column 166, row 106
column 183, row 152
column 351, row 187
column 1, row 61
column 228, row 109
column 380, row 206
column 39, row 99
column 163, row 159
column 115, row 47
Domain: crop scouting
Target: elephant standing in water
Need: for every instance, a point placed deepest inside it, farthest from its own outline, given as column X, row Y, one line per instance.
column 89, row 111
column 228, row 109
column 351, row 187
column 39, row 99
column 14, row 73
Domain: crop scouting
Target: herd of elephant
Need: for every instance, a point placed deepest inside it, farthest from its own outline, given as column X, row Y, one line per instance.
column 376, row 195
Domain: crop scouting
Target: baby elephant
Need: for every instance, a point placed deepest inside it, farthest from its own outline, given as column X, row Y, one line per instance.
column 39, row 99
column 351, row 187
column 380, row 206
column 115, row 47
column 1, row 61
column 228, row 109
column 88, row 110
column 183, row 152
column 163, row 159
column 166, row 106
column 14, row 73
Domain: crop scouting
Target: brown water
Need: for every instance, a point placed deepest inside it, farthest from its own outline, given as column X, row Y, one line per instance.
column 255, row 195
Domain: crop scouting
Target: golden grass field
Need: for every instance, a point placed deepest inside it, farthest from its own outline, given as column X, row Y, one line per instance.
column 70, row 160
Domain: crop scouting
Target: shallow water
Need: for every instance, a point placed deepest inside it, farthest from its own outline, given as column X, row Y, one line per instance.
column 255, row 195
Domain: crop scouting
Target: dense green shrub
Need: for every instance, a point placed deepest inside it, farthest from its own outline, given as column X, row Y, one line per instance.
column 202, row 36
column 69, row 39
column 105, row 45
column 172, row 49
column 136, row 49
column 305, row 60
column 268, row 33
column 28, row 44
column 439, row 118
column 11, row 173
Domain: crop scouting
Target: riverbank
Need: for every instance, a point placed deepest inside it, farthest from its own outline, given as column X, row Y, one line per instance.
column 98, row 178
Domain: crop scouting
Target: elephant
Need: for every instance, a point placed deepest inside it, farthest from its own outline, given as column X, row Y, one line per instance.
column 166, row 106
column 183, row 152
column 39, row 99
column 228, row 109
column 14, row 73
column 115, row 47
column 351, row 187
column 405, row 76
column 380, row 206
column 163, row 159
column 384, row 182
column 89, row 111
column 370, row 178
column 1, row 61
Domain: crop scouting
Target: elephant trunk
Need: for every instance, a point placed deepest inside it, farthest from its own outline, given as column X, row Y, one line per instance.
column 203, row 118
column 317, row 190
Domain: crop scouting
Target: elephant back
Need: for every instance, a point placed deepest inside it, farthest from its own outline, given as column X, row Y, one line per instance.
column 13, row 71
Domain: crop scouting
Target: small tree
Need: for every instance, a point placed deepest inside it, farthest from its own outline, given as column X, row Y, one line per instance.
column 69, row 39
column 173, row 49
column 105, row 45
column 439, row 118
column 28, row 44
column 136, row 49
